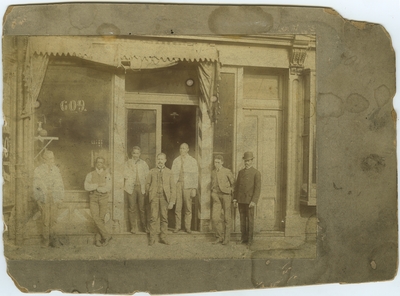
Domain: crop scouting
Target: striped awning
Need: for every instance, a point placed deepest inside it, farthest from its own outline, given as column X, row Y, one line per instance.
column 127, row 53
column 113, row 51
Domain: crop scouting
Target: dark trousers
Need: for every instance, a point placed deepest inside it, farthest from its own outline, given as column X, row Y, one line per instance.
column 136, row 202
column 159, row 212
column 98, row 208
column 246, row 222
column 183, row 199
column 221, row 215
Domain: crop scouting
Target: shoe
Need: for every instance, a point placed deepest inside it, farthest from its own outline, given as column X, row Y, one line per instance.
column 217, row 241
column 188, row 231
column 152, row 242
column 97, row 240
column 242, row 242
column 55, row 243
column 106, row 241
column 133, row 231
column 225, row 242
column 165, row 241
column 176, row 230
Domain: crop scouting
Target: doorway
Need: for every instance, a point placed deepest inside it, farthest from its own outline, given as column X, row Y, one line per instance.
column 163, row 128
column 179, row 126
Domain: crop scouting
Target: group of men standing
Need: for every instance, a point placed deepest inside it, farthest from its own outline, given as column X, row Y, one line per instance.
column 178, row 186
column 161, row 188
column 165, row 188
column 243, row 194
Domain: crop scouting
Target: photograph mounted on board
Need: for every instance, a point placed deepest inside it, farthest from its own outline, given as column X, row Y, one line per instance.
column 147, row 144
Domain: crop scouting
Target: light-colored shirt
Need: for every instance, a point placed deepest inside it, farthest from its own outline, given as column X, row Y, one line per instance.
column 190, row 171
column 132, row 170
column 99, row 180
column 47, row 183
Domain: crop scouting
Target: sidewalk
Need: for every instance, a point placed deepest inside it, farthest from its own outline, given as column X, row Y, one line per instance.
column 183, row 246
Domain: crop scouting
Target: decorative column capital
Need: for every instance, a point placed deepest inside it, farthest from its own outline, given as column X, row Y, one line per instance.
column 298, row 54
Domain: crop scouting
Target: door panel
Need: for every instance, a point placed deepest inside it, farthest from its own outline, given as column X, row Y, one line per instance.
column 261, row 134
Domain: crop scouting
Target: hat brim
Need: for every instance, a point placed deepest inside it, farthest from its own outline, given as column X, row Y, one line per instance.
column 251, row 158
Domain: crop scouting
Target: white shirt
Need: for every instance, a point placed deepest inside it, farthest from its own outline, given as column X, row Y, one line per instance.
column 91, row 186
column 47, row 183
column 190, row 171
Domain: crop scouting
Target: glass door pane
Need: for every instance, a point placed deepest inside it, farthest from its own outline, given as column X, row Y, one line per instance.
column 144, row 130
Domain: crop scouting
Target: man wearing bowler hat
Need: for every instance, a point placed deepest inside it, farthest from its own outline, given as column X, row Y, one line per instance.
column 246, row 194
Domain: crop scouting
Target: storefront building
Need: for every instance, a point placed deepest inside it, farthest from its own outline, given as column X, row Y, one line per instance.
column 82, row 97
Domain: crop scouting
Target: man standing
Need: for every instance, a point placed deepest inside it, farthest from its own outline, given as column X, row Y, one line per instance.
column 186, row 176
column 222, row 184
column 247, row 193
column 161, row 189
column 98, row 183
column 48, row 191
column 135, row 173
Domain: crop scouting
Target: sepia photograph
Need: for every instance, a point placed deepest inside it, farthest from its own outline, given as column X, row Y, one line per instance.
column 214, row 145
column 130, row 140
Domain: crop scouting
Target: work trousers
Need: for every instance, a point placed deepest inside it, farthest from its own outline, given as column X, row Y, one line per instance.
column 246, row 222
column 136, row 202
column 158, row 212
column 48, row 211
column 98, row 203
column 184, row 199
column 221, row 215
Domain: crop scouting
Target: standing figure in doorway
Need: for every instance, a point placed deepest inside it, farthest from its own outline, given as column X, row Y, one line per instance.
column 48, row 192
column 135, row 174
column 222, row 184
column 247, row 193
column 160, row 187
column 186, row 176
column 98, row 183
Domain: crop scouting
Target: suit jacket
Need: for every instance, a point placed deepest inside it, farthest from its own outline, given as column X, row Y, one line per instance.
column 248, row 186
column 168, row 184
column 130, row 174
column 223, row 179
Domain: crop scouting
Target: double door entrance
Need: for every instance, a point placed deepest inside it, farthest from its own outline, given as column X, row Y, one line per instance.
column 163, row 128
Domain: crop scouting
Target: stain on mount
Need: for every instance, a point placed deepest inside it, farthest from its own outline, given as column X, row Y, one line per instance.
column 240, row 20
column 373, row 162
column 356, row 103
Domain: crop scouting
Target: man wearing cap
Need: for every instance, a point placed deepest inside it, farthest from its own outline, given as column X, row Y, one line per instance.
column 247, row 193
column 222, row 184
column 186, row 176
column 161, row 187
column 98, row 183
column 48, row 191
column 135, row 174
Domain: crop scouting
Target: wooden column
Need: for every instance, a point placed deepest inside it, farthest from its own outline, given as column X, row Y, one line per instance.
column 293, row 222
column 205, row 155
column 118, row 151
column 21, row 188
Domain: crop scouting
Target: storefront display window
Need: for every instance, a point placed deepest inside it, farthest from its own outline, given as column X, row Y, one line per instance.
column 74, row 114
